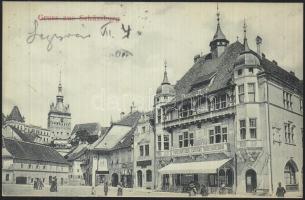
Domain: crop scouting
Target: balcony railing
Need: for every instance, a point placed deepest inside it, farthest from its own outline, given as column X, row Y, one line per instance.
column 199, row 116
column 250, row 144
column 195, row 150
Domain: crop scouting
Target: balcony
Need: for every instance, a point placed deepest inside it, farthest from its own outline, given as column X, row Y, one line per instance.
column 195, row 150
column 199, row 116
column 250, row 144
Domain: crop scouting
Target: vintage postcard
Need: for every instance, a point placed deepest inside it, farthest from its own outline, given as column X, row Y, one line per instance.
column 153, row 99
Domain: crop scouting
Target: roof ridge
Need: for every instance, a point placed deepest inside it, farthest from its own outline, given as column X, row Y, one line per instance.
column 34, row 143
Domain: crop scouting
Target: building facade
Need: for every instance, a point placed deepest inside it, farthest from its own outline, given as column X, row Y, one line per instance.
column 110, row 158
column 235, row 118
column 42, row 135
column 23, row 162
column 143, row 148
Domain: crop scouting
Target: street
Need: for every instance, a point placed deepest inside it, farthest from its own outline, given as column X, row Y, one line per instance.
column 27, row 190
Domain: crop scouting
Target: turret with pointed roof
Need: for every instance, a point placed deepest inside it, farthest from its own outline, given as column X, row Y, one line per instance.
column 219, row 42
column 165, row 88
column 247, row 57
column 15, row 115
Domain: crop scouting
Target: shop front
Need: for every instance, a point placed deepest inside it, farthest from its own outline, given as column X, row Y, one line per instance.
column 217, row 175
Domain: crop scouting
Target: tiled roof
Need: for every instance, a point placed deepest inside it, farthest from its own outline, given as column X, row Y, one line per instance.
column 119, row 134
column 127, row 141
column 33, row 151
column 25, row 137
column 92, row 128
column 129, row 120
column 76, row 152
column 104, row 130
column 15, row 115
column 222, row 66
column 281, row 74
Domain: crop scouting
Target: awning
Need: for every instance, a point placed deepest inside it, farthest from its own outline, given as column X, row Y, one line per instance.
column 205, row 167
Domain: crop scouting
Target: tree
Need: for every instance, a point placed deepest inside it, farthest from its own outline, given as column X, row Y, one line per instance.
column 81, row 135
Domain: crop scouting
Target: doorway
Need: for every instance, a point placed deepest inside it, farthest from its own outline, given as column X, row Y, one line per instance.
column 251, row 182
column 139, row 175
column 20, row 180
column 115, row 179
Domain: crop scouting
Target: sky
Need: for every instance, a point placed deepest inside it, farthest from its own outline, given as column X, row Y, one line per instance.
column 97, row 82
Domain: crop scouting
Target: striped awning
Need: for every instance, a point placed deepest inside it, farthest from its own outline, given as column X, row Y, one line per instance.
column 204, row 167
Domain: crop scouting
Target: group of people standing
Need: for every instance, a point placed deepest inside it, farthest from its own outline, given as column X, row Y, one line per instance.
column 38, row 184
column 193, row 191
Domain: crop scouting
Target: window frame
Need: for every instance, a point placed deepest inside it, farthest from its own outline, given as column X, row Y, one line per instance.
column 241, row 93
column 159, row 142
column 251, row 92
column 141, row 150
column 146, row 149
column 166, row 142
column 243, row 129
column 253, row 127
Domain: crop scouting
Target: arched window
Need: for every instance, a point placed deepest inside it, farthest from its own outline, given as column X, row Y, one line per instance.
column 148, row 176
column 289, row 174
column 222, row 177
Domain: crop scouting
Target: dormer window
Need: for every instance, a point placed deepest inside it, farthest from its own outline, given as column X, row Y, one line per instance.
column 239, row 72
column 251, row 70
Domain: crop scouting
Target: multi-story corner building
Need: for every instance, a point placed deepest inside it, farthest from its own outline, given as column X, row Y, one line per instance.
column 110, row 158
column 143, row 149
column 235, row 118
column 23, row 162
column 59, row 117
column 15, row 119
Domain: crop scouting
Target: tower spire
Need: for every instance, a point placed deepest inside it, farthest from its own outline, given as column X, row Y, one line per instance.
column 217, row 14
column 165, row 79
column 246, row 46
column 60, row 76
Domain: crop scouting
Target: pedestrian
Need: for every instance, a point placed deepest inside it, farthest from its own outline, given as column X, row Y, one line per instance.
column 52, row 188
column 222, row 188
column 120, row 189
column 280, row 191
column 55, row 184
column 93, row 190
column 192, row 189
column 204, row 190
column 106, row 188
column 35, row 184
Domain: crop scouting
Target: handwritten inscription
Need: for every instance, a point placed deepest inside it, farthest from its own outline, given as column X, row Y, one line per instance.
column 122, row 53
column 33, row 35
column 105, row 31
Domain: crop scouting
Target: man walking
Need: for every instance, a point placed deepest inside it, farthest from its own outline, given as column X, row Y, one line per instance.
column 106, row 188
column 280, row 191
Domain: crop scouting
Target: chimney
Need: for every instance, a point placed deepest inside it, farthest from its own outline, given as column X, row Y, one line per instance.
column 274, row 62
column 259, row 41
column 122, row 115
column 292, row 73
column 132, row 107
column 196, row 58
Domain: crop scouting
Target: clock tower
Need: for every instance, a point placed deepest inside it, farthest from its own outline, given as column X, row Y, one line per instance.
column 59, row 117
